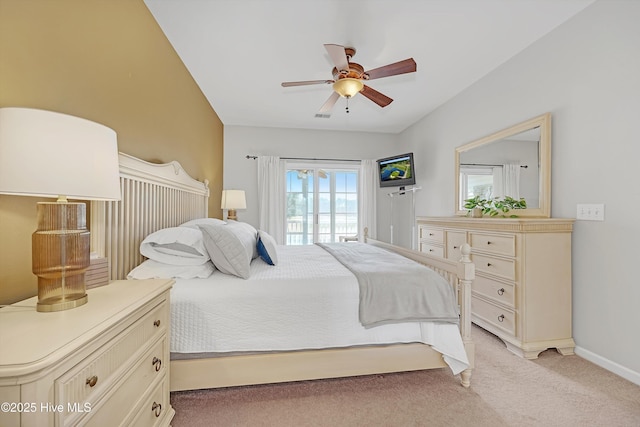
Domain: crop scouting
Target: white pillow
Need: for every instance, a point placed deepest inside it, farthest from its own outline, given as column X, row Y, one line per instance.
column 267, row 248
column 230, row 247
column 248, row 230
column 175, row 246
column 151, row 269
column 195, row 222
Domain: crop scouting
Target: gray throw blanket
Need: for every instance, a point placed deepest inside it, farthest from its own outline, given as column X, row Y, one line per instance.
column 395, row 289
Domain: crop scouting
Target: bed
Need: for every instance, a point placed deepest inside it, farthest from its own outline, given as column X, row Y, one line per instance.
column 157, row 197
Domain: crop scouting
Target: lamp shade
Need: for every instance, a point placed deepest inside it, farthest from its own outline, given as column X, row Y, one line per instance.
column 233, row 199
column 348, row 87
column 47, row 154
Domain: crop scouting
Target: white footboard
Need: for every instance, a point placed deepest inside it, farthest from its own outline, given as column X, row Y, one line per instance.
column 460, row 275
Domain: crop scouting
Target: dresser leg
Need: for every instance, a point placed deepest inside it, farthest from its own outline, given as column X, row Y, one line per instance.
column 565, row 351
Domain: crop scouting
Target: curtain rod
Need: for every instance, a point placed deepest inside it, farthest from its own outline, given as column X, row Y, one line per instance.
column 483, row 164
column 309, row 158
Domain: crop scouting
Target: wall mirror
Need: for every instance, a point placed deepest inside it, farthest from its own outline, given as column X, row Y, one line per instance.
column 513, row 162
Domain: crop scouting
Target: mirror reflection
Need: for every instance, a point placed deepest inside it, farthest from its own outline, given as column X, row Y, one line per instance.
column 514, row 162
column 507, row 167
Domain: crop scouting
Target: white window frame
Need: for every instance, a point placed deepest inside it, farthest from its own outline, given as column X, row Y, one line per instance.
column 332, row 166
column 464, row 180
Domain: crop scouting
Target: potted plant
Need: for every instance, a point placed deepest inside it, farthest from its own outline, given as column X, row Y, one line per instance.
column 478, row 206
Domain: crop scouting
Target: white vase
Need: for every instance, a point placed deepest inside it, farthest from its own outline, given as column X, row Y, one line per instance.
column 476, row 213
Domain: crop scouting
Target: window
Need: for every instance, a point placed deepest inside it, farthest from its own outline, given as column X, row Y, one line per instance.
column 322, row 203
column 477, row 181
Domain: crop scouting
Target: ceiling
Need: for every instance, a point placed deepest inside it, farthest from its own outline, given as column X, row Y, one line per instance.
column 240, row 51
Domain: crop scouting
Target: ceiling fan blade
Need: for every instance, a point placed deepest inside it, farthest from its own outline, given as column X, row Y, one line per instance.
column 307, row 82
column 401, row 67
column 338, row 56
column 329, row 103
column 375, row 96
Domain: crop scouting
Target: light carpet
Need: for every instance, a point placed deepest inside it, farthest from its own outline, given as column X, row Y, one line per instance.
column 506, row 390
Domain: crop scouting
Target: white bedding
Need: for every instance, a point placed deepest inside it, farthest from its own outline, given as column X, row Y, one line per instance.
column 307, row 301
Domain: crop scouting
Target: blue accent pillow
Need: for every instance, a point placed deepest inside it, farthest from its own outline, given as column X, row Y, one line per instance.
column 267, row 248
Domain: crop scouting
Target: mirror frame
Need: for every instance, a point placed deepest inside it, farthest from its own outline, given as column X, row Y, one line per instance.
column 544, row 121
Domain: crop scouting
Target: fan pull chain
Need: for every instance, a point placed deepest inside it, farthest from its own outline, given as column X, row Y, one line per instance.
column 347, row 108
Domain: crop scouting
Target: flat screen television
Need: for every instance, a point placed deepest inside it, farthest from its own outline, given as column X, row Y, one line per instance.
column 397, row 171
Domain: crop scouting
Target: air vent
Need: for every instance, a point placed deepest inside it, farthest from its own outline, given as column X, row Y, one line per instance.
column 322, row 116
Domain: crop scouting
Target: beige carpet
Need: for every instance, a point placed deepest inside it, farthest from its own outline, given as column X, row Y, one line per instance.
column 506, row 390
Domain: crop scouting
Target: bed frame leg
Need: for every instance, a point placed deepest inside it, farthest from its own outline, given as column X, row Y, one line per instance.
column 465, row 378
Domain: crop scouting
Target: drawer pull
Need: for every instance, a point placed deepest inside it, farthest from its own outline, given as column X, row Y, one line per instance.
column 488, row 242
column 92, row 381
column 501, row 291
column 455, row 247
column 157, row 409
column 501, row 318
column 157, row 363
column 430, row 234
column 488, row 264
column 157, row 323
column 430, row 250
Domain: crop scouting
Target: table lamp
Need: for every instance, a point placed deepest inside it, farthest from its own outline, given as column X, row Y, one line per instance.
column 49, row 154
column 232, row 200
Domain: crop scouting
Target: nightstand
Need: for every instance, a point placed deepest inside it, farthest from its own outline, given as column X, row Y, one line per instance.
column 104, row 363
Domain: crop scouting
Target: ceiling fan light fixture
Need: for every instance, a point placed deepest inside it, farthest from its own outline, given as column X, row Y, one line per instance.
column 348, row 87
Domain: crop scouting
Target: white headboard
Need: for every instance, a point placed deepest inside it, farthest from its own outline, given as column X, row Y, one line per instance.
column 154, row 196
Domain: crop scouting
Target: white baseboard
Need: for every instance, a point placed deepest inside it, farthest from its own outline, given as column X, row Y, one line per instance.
column 609, row 365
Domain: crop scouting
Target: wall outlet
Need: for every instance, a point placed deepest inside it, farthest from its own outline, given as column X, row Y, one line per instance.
column 590, row 212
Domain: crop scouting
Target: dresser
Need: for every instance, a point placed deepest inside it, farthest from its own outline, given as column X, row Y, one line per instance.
column 522, row 289
column 105, row 363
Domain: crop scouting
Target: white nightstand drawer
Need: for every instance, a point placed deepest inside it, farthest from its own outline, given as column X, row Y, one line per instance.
column 89, row 380
column 154, row 410
column 118, row 405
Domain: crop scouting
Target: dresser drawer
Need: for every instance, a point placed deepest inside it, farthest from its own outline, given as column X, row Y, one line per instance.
column 497, row 316
column 90, row 379
column 497, row 266
column 432, row 249
column 119, row 404
column 455, row 239
column 432, row 234
column 494, row 243
column 492, row 289
column 154, row 409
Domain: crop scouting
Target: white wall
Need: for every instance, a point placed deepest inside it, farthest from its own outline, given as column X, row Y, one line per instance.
column 239, row 141
column 587, row 74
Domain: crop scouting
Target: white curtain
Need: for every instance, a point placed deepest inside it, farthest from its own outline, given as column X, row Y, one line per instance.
column 367, row 195
column 512, row 180
column 498, row 181
column 271, row 196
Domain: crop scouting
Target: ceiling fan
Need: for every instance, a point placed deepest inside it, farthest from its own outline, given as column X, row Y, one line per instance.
column 348, row 77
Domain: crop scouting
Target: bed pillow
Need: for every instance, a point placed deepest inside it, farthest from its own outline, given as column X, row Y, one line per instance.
column 175, row 246
column 151, row 269
column 267, row 248
column 248, row 230
column 230, row 247
column 195, row 222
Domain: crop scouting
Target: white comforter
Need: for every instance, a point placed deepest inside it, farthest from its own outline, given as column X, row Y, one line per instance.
column 308, row 301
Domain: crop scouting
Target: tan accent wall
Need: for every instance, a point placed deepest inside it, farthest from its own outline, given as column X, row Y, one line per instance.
column 106, row 61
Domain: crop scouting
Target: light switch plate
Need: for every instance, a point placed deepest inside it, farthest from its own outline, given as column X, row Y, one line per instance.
column 590, row 212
